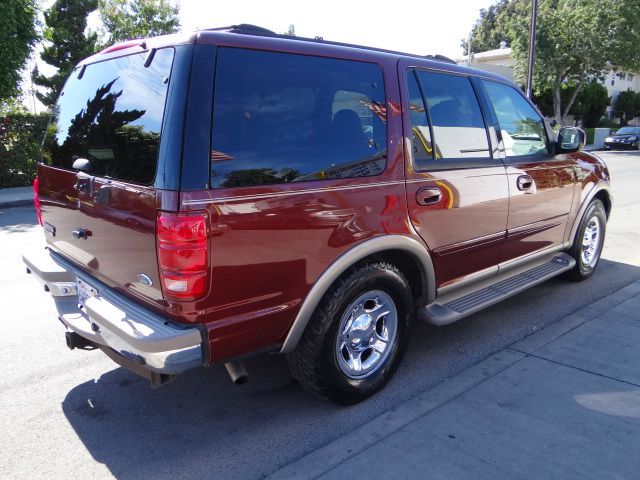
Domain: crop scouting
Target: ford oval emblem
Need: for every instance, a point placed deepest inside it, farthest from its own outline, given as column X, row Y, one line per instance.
column 145, row 279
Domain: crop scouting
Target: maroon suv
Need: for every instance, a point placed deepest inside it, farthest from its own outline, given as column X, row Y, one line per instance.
column 215, row 195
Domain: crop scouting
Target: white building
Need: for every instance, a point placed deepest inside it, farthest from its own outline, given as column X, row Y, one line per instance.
column 501, row 61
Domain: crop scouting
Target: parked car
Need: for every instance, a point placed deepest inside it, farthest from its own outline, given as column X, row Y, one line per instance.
column 231, row 192
column 626, row 137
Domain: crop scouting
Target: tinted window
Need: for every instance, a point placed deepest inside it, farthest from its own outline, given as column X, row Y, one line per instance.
column 112, row 116
column 282, row 118
column 421, row 146
column 522, row 128
column 458, row 127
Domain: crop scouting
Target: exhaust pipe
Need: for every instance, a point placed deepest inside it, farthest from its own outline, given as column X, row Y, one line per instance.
column 78, row 341
column 237, row 372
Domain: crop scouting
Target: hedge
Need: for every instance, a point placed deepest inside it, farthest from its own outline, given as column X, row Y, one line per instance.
column 21, row 136
column 591, row 132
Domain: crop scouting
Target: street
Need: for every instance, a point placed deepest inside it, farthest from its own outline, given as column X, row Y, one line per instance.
column 75, row 413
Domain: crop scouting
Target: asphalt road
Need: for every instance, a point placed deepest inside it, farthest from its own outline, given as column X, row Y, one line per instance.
column 73, row 413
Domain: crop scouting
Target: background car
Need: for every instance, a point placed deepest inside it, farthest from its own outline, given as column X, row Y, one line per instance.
column 626, row 137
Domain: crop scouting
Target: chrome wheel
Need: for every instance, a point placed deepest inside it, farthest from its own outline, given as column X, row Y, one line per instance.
column 590, row 250
column 366, row 334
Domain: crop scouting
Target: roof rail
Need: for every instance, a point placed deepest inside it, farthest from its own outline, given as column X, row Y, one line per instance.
column 440, row 58
column 248, row 29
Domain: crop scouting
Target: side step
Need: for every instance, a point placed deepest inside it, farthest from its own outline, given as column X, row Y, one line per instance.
column 454, row 306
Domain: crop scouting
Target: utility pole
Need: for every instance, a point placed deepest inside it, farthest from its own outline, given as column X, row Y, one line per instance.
column 532, row 47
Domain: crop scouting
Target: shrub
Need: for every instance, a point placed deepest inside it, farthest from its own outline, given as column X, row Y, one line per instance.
column 590, row 135
column 21, row 136
column 606, row 122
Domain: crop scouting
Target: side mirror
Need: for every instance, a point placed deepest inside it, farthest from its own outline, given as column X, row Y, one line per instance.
column 570, row 139
column 81, row 164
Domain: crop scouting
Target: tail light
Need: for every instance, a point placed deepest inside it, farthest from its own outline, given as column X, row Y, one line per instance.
column 36, row 200
column 182, row 254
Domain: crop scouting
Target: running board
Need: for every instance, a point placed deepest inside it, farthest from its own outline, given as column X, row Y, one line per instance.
column 456, row 305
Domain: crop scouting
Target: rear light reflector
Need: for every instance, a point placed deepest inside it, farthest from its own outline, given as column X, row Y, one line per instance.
column 36, row 199
column 182, row 253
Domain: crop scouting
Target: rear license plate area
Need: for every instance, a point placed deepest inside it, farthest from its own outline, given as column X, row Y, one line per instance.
column 85, row 292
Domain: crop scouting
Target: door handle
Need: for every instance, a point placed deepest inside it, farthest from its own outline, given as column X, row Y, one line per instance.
column 84, row 184
column 525, row 183
column 428, row 196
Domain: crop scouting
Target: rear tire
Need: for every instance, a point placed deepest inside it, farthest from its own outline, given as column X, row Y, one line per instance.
column 356, row 337
column 587, row 245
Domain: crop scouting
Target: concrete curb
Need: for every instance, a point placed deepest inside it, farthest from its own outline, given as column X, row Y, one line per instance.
column 326, row 458
column 17, row 203
column 16, row 197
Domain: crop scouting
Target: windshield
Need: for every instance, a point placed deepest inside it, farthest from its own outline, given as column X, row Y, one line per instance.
column 111, row 114
column 629, row 131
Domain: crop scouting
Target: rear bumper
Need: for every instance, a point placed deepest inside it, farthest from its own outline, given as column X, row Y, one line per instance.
column 139, row 336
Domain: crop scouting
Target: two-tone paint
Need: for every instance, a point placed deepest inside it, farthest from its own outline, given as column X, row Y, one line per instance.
column 275, row 249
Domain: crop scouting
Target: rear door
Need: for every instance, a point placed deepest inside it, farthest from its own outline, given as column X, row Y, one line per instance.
column 540, row 183
column 456, row 190
column 103, row 218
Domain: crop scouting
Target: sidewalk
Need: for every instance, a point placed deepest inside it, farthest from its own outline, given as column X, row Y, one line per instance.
column 16, row 197
column 562, row 403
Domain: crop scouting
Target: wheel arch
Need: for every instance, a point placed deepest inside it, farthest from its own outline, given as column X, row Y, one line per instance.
column 603, row 193
column 407, row 253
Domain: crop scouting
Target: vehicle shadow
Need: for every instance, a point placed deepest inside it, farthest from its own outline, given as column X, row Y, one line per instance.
column 202, row 426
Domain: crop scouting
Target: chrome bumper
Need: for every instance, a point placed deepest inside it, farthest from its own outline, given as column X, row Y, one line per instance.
column 143, row 338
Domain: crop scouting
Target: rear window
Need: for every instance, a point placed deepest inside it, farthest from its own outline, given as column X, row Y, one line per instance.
column 281, row 118
column 112, row 116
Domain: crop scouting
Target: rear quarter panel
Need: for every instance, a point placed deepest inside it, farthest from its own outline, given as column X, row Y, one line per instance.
column 269, row 244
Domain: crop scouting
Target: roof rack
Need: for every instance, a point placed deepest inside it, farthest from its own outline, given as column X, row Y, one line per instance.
column 248, row 29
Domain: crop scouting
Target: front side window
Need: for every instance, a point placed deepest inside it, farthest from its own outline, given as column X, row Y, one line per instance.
column 112, row 115
column 456, row 119
column 523, row 131
column 281, row 118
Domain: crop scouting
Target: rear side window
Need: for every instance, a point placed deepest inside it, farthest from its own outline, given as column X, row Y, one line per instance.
column 421, row 145
column 456, row 119
column 112, row 116
column 281, row 118
column 522, row 129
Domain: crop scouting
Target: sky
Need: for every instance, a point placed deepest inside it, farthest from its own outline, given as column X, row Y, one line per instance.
column 422, row 27
column 425, row 27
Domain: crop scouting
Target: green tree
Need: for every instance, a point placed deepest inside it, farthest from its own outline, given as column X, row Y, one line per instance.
column 129, row 19
column 18, row 33
column 575, row 41
column 589, row 106
column 490, row 29
column 627, row 106
column 21, row 134
column 67, row 44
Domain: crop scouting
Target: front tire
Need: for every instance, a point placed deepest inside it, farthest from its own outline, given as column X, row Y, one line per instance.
column 587, row 245
column 356, row 337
